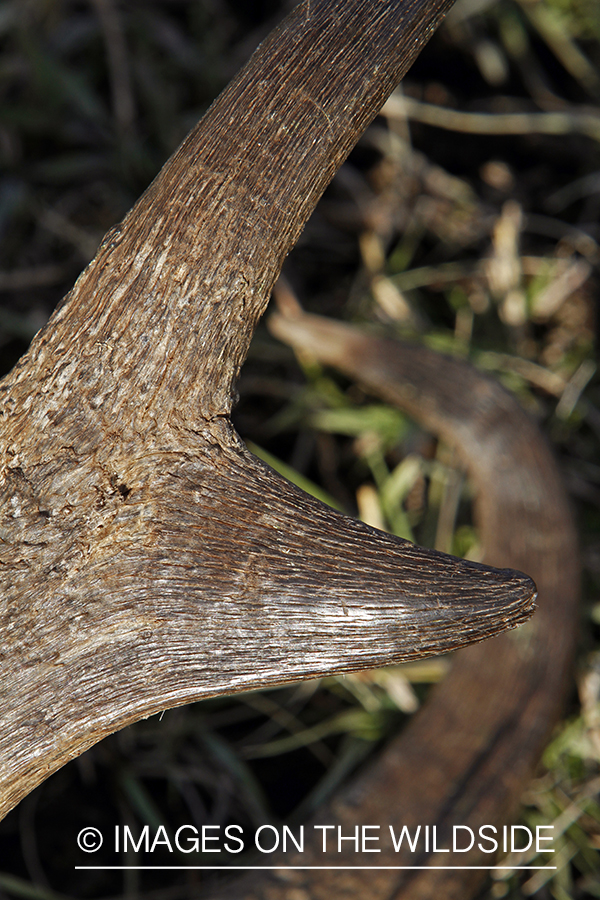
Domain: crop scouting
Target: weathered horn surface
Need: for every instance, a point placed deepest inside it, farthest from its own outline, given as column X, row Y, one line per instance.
column 467, row 756
column 147, row 559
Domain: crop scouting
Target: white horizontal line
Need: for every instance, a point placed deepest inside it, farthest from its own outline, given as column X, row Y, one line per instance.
column 310, row 868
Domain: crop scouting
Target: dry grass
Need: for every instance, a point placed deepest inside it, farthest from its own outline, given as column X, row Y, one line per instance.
column 481, row 244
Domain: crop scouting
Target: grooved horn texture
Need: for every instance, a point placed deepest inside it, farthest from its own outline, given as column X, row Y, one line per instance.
column 147, row 558
column 467, row 756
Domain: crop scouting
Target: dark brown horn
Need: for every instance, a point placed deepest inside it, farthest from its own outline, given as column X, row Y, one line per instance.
column 466, row 758
column 147, row 558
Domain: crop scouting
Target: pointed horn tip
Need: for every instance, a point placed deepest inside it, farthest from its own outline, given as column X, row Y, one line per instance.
column 496, row 601
column 508, row 588
column 522, row 586
column 513, row 599
column 526, row 589
column 462, row 602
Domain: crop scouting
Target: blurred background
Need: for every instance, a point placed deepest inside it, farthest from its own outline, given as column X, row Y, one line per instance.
column 466, row 218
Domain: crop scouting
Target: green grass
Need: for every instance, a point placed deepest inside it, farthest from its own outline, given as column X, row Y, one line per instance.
column 457, row 240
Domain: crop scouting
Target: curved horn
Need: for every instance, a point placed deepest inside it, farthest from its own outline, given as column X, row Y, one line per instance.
column 467, row 756
column 148, row 559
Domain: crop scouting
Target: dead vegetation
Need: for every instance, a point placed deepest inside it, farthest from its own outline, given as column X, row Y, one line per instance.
column 468, row 218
